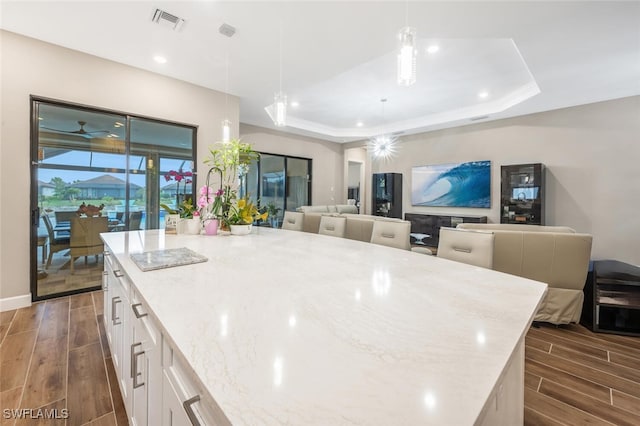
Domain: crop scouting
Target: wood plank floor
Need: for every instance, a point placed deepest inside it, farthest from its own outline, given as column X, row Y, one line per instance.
column 54, row 355
column 576, row 377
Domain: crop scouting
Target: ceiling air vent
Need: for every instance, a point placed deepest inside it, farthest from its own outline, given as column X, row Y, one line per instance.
column 168, row 20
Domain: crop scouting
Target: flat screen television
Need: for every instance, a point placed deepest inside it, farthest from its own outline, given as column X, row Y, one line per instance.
column 525, row 194
column 452, row 185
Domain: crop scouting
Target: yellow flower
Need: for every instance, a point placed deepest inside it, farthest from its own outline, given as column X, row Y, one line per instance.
column 264, row 215
column 242, row 203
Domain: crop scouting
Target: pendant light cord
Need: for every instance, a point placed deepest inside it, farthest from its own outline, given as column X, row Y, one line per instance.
column 406, row 14
column 280, row 56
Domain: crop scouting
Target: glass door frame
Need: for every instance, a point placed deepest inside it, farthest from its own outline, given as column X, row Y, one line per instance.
column 309, row 161
column 34, row 207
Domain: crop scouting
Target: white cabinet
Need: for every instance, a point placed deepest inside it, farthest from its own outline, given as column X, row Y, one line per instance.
column 154, row 391
column 183, row 400
column 146, row 366
column 505, row 405
column 117, row 323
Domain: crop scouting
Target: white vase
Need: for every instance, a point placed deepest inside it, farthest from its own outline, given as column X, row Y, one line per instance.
column 240, row 229
column 189, row 226
column 194, row 226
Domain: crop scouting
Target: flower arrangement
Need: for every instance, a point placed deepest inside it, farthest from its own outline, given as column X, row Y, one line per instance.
column 185, row 208
column 210, row 203
column 230, row 160
column 244, row 212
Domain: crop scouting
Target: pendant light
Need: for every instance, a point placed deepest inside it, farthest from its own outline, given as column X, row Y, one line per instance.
column 280, row 98
column 407, row 53
column 228, row 31
column 226, row 124
column 382, row 146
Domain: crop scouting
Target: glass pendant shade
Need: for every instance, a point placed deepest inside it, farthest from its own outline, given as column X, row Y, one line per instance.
column 226, row 131
column 280, row 109
column 407, row 56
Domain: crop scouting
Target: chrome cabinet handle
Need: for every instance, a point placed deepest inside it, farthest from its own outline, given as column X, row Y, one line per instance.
column 187, row 407
column 105, row 280
column 134, row 365
column 114, row 317
column 106, row 253
column 117, row 273
column 136, row 311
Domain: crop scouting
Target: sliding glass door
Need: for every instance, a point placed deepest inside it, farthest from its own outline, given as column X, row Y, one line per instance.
column 94, row 171
column 281, row 183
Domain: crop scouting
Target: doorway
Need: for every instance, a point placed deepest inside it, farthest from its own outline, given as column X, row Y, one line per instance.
column 354, row 183
column 95, row 171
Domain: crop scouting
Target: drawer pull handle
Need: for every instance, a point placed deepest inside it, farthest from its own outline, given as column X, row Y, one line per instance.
column 134, row 365
column 114, row 317
column 105, row 280
column 136, row 311
column 187, row 407
column 117, row 273
column 106, row 253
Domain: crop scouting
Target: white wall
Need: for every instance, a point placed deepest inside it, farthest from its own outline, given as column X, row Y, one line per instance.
column 327, row 170
column 31, row 67
column 591, row 154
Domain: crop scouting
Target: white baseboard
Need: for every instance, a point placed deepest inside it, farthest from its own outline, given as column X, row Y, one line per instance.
column 16, row 302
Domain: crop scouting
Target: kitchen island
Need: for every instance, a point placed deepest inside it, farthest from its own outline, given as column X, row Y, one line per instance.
column 285, row 327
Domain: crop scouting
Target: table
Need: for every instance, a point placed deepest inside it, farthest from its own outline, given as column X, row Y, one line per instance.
column 292, row 327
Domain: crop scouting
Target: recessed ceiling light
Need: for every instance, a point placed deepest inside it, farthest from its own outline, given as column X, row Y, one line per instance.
column 359, row 124
column 39, row 118
column 433, row 48
column 295, row 104
column 160, row 59
column 484, row 94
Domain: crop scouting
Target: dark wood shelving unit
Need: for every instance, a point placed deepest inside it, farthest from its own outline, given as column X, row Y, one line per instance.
column 522, row 194
column 387, row 195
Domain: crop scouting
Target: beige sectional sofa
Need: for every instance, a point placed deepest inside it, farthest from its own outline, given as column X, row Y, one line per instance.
column 358, row 226
column 330, row 208
column 555, row 255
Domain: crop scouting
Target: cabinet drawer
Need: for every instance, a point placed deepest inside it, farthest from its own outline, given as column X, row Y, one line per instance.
column 180, row 390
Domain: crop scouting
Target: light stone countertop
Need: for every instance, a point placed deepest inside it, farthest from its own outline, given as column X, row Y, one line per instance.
column 298, row 328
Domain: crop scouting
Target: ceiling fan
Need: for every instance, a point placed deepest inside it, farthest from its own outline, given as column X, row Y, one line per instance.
column 81, row 131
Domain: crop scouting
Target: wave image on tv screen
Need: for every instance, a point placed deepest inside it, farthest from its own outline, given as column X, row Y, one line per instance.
column 452, row 185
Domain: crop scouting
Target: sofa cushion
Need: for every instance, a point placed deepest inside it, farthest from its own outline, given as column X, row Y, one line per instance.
column 315, row 209
column 345, row 208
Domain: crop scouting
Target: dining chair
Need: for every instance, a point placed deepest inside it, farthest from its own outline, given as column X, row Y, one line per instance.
column 332, row 225
column 466, row 246
column 293, row 221
column 56, row 244
column 134, row 221
column 391, row 233
column 85, row 237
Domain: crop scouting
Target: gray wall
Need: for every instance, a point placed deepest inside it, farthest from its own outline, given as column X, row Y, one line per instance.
column 591, row 154
column 31, row 67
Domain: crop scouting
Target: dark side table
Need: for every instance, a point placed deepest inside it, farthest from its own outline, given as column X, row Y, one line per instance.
column 612, row 298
